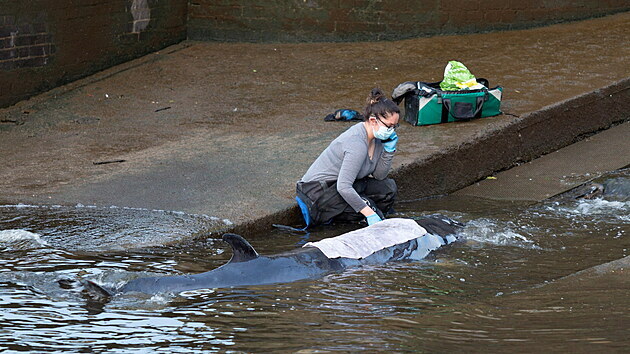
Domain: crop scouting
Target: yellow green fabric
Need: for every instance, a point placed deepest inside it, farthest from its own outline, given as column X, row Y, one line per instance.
column 457, row 77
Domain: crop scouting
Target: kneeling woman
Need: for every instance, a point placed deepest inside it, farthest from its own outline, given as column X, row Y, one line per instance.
column 348, row 181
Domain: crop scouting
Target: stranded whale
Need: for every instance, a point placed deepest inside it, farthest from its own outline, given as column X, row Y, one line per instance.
column 389, row 240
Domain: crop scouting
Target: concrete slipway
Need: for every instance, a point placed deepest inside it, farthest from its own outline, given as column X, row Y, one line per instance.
column 227, row 129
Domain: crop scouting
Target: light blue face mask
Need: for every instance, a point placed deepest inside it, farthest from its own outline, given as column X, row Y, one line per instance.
column 383, row 133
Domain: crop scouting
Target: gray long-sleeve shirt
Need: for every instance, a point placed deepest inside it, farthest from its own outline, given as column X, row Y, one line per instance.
column 346, row 159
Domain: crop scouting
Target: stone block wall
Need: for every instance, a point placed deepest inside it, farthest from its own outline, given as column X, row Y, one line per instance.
column 349, row 20
column 47, row 43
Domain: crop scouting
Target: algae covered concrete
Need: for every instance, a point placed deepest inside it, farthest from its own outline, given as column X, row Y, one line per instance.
column 226, row 129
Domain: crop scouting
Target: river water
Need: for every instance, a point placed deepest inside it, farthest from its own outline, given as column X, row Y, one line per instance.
column 470, row 296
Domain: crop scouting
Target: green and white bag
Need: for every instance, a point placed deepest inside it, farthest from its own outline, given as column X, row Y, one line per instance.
column 426, row 103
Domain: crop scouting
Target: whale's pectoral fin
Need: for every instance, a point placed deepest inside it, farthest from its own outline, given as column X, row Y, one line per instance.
column 242, row 250
column 95, row 291
column 439, row 225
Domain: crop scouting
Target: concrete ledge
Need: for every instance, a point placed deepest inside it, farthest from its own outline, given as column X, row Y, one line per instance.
column 552, row 174
column 618, row 266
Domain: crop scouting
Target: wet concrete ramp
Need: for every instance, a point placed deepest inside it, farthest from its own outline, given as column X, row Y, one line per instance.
column 227, row 129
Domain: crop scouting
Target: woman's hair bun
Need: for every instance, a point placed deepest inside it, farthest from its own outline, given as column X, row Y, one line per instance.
column 378, row 105
column 375, row 95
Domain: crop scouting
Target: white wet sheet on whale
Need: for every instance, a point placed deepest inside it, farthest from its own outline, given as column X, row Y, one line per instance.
column 364, row 242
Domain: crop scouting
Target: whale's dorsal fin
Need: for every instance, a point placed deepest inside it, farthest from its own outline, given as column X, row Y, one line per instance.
column 241, row 249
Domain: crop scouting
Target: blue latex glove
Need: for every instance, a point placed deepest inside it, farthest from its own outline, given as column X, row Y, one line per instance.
column 390, row 144
column 373, row 219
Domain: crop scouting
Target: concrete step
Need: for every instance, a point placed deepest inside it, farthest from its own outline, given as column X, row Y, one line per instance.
column 558, row 171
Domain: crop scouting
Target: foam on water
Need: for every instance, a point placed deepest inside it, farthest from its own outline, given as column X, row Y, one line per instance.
column 601, row 206
column 594, row 208
column 19, row 206
column 489, row 231
column 20, row 239
column 95, row 228
column 82, row 206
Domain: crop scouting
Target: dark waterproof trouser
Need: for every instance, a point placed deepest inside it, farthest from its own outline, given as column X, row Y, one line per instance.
column 324, row 203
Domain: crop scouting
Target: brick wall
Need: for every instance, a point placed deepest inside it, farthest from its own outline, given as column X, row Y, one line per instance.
column 46, row 43
column 24, row 45
column 346, row 20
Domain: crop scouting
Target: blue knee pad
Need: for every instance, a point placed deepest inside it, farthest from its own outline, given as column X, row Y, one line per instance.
column 304, row 210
